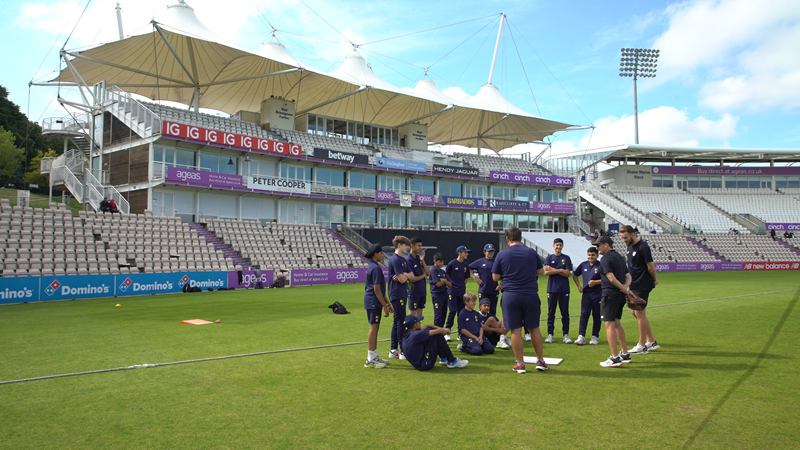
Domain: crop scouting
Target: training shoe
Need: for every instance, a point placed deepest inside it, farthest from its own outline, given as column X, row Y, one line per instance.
column 442, row 361
column 519, row 368
column 394, row 354
column 639, row 349
column 378, row 358
column 502, row 343
column 567, row 340
column 549, row 339
column 459, row 347
column 447, row 337
column 626, row 358
column 527, row 337
column 580, row 341
column 457, row 364
column 374, row 364
column 541, row 365
column 612, row 362
column 652, row 345
column 594, row 341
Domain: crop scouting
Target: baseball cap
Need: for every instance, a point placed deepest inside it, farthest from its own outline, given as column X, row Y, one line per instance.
column 603, row 240
column 374, row 248
column 411, row 320
column 462, row 249
column 485, row 301
column 488, row 248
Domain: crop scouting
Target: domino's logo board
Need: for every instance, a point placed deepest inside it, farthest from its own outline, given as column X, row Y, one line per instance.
column 80, row 286
column 125, row 285
column 19, row 289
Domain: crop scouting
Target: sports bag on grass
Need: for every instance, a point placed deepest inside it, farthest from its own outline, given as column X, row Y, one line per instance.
column 338, row 308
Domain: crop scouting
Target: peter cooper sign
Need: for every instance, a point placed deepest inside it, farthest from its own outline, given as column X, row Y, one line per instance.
column 279, row 185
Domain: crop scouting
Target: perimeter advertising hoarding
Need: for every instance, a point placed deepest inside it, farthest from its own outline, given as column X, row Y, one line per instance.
column 337, row 156
column 164, row 283
column 527, row 178
column 308, row 277
column 462, row 202
column 451, row 170
column 784, row 226
column 279, row 185
column 385, row 196
column 19, row 289
column 553, row 208
column 190, row 177
column 229, row 140
column 77, row 286
column 698, row 266
column 424, row 200
column 400, row 164
column 726, row 171
column 249, row 279
column 508, row 204
column 772, row 266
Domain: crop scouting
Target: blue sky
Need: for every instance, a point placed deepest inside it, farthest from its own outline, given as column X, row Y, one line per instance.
column 729, row 73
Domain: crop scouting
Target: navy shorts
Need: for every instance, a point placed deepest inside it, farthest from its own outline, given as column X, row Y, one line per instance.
column 417, row 302
column 521, row 310
column 374, row 315
column 611, row 309
column 644, row 294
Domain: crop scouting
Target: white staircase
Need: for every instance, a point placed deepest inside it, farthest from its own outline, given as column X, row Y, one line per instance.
column 617, row 210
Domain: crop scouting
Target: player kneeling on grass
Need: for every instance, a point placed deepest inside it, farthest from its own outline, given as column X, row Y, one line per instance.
column 375, row 302
column 422, row 345
column 471, row 328
column 493, row 329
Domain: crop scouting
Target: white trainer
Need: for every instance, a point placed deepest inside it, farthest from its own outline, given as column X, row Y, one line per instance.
column 394, row 354
column 460, row 347
column 501, row 343
column 458, row 364
column 652, row 345
column 593, row 341
column 639, row 350
column 527, row 337
column 567, row 340
column 580, row 341
column 549, row 339
column 447, row 337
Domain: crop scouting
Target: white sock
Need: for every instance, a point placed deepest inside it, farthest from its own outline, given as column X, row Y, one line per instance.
column 372, row 355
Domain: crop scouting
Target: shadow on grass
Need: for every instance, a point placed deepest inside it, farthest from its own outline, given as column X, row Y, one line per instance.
column 749, row 355
column 618, row 372
column 749, row 373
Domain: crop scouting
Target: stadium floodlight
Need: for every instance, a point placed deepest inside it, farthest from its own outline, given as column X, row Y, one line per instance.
column 638, row 62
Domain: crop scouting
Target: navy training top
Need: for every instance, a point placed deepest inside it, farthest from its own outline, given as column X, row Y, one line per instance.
column 484, row 268
column 589, row 272
column 517, row 266
column 558, row 283
column 416, row 347
column 418, row 287
column 374, row 276
column 457, row 272
column 486, row 317
column 397, row 290
column 470, row 321
column 436, row 276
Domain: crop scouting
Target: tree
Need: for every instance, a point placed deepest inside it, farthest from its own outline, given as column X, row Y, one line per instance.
column 11, row 158
column 34, row 175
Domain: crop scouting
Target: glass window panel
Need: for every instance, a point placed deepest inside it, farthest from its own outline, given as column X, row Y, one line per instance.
column 395, row 137
column 323, row 176
column 169, row 156
column 337, row 178
column 547, row 196
column 657, row 181
column 705, row 182
column 781, row 182
column 694, row 182
column 184, row 157
column 209, row 161
column 356, row 180
column 793, row 182
column 730, row 182
column 158, row 154
column 716, row 182
column 667, row 182
column 497, row 192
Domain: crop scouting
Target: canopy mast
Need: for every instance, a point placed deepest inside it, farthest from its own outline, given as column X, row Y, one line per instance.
column 119, row 21
column 497, row 46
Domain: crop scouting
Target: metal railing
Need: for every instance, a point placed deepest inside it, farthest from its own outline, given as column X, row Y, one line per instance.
column 542, row 253
column 355, row 238
column 107, row 192
column 69, row 179
column 46, row 165
column 74, row 123
column 146, row 122
column 629, row 213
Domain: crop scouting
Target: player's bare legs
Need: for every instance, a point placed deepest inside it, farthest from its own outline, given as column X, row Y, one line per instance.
column 536, row 340
column 614, row 331
column 518, row 344
column 644, row 327
column 372, row 337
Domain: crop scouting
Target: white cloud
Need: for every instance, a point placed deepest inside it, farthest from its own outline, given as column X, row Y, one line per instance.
column 664, row 125
column 747, row 49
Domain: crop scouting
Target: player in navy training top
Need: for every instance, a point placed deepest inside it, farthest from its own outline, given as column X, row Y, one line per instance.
column 399, row 274
column 374, row 301
column 558, row 267
column 518, row 267
column 493, row 328
column 589, row 271
column 439, row 285
column 614, row 282
column 488, row 287
column 471, row 328
column 644, row 278
column 417, row 266
column 424, row 344
column 458, row 273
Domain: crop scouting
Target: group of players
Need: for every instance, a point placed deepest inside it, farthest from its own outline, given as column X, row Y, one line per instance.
column 514, row 272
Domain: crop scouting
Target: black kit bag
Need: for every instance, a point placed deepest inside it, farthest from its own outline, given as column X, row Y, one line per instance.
column 338, row 308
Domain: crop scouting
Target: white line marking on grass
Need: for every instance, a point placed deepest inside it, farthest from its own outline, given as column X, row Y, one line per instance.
column 216, row 358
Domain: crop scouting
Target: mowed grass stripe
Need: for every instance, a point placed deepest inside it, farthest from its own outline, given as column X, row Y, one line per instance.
column 323, row 398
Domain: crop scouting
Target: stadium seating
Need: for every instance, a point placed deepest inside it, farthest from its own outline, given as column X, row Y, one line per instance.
column 670, row 248
column 766, row 204
column 283, row 247
column 52, row 241
column 681, row 206
column 501, row 164
column 749, row 248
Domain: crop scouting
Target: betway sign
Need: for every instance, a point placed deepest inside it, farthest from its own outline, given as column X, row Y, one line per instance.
column 229, row 140
column 529, row 178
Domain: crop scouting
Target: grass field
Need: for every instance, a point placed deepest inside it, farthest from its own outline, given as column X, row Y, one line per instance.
column 726, row 376
column 40, row 201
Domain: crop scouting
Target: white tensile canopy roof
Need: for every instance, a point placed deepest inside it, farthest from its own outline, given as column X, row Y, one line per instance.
column 183, row 61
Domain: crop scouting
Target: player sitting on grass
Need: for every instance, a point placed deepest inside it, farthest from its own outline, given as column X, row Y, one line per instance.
column 591, row 290
column 375, row 301
column 493, row 329
column 471, row 328
column 423, row 344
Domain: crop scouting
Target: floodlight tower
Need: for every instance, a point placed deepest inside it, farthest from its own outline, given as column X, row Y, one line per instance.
column 638, row 62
